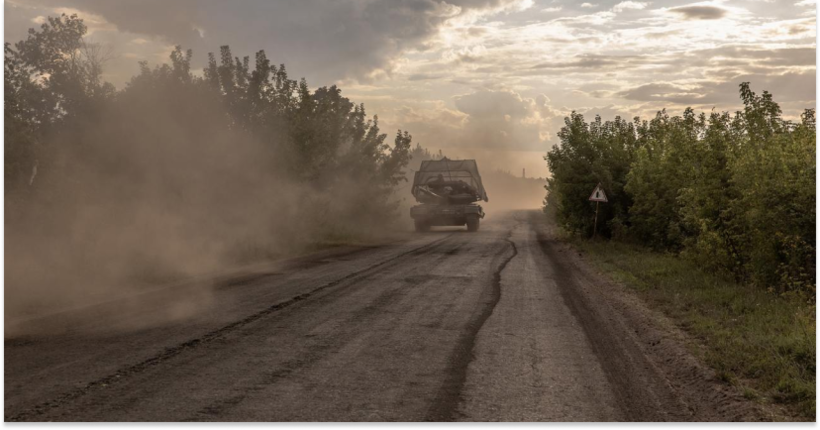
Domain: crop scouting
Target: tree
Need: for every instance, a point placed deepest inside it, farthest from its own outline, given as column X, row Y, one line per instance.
column 660, row 170
column 733, row 192
column 589, row 154
column 53, row 84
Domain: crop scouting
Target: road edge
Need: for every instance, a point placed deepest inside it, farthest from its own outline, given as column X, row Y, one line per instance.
column 660, row 340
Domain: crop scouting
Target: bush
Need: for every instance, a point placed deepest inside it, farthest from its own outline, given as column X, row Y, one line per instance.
column 589, row 154
column 736, row 192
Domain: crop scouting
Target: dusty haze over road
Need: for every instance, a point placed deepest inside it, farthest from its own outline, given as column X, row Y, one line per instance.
column 502, row 324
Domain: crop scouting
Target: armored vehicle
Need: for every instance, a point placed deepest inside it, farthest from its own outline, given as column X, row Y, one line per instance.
column 447, row 191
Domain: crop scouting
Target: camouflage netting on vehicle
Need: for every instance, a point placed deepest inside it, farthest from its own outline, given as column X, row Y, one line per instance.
column 448, row 181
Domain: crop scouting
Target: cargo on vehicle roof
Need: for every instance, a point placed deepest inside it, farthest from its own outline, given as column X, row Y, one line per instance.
column 433, row 172
column 447, row 190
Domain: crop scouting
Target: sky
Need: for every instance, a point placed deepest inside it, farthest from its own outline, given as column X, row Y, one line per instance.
column 485, row 79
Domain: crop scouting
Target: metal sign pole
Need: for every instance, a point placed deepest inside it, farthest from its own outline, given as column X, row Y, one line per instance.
column 598, row 196
column 595, row 228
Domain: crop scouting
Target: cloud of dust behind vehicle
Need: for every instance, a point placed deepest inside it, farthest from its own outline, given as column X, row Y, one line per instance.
column 152, row 193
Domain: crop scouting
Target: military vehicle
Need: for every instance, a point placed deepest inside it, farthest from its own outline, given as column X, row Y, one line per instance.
column 447, row 191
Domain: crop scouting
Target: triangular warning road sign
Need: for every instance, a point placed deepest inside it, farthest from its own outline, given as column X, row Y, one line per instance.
column 598, row 195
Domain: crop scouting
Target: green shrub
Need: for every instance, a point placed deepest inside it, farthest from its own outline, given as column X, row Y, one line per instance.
column 733, row 192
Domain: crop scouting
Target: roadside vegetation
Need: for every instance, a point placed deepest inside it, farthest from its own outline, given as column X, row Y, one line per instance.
column 180, row 171
column 712, row 218
column 763, row 344
column 58, row 107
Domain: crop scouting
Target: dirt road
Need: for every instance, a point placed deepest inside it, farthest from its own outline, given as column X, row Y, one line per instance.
column 504, row 324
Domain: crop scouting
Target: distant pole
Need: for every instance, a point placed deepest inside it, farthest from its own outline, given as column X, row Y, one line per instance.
column 524, row 173
column 595, row 228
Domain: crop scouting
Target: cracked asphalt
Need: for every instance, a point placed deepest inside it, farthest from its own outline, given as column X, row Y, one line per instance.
column 448, row 325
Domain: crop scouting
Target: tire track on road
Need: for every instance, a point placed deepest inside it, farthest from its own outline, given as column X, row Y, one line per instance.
column 315, row 352
column 174, row 351
column 445, row 405
column 643, row 394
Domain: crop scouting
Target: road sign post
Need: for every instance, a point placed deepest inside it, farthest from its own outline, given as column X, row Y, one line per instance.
column 595, row 227
column 598, row 196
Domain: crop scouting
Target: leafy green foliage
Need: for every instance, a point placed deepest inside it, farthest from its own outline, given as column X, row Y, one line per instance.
column 661, row 165
column 735, row 193
column 52, row 81
column 774, row 175
column 589, row 154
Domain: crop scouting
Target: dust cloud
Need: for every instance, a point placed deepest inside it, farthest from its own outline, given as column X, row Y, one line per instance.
column 152, row 193
column 111, row 193
column 510, row 192
column 149, row 196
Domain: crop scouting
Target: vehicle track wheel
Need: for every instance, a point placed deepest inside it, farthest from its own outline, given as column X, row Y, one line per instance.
column 472, row 224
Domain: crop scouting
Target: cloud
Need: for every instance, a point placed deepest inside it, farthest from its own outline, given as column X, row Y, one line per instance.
column 624, row 5
column 485, row 104
column 597, row 18
column 467, row 54
column 662, row 92
column 327, row 41
column 747, row 57
column 700, row 12
column 423, row 77
column 788, row 86
column 468, row 73
column 438, row 117
column 497, row 120
column 476, row 31
column 588, row 63
column 596, row 94
column 581, row 62
column 605, row 112
column 505, row 120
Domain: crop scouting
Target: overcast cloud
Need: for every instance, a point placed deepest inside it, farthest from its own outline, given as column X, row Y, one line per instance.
column 481, row 75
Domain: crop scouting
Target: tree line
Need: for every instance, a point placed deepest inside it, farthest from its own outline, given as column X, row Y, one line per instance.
column 73, row 140
column 735, row 192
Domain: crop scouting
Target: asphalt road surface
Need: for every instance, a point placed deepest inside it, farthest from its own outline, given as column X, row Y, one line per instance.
column 498, row 325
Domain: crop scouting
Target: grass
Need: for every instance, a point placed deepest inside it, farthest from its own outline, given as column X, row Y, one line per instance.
column 759, row 341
